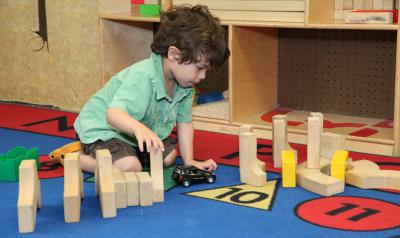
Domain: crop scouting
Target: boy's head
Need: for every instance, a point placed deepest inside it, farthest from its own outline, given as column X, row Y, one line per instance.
column 195, row 32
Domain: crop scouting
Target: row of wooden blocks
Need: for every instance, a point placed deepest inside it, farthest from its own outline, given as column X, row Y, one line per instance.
column 115, row 189
column 327, row 167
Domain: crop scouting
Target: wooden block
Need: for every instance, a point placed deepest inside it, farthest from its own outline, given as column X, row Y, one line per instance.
column 338, row 15
column 247, row 128
column 314, row 142
column 29, row 196
column 250, row 172
column 387, row 5
column 377, row 4
column 366, row 174
column 330, row 143
column 145, row 189
column 288, row 169
column 347, row 4
column 73, row 188
column 279, row 138
column 367, row 4
column 151, row 2
column 135, row 8
column 358, row 4
column 157, row 175
column 132, row 188
column 338, row 5
column 105, row 183
column 120, row 189
column 316, row 181
column 166, row 5
column 339, row 164
column 369, row 17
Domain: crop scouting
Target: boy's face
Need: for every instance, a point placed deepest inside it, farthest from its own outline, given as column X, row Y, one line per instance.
column 189, row 74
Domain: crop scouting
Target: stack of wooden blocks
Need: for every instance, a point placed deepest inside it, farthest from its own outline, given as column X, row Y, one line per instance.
column 255, row 10
column 364, row 11
column 149, row 7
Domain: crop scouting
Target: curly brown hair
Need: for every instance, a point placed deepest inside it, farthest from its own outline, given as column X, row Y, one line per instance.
column 195, row 32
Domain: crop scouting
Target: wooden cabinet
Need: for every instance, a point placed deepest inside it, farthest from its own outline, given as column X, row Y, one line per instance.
column 349, row 72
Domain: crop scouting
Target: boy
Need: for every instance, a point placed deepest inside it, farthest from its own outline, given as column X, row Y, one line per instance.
column 138, row 108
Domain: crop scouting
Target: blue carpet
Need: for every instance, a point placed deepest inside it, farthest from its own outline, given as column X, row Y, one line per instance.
column 180, row 215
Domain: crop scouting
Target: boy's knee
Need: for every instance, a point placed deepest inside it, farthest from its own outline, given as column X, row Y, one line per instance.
column 128, row 164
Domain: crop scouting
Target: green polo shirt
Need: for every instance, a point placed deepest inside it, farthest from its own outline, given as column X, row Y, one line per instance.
column 138, row 90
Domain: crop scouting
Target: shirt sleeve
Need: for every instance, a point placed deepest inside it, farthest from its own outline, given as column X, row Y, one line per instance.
column 185, row 108
column 134, row 94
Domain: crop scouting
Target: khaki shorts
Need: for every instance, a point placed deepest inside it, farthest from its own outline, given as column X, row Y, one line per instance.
column 120, row 149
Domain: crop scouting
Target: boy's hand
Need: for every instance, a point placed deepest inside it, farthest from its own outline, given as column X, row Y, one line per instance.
column 209, row 165
column 145, row 135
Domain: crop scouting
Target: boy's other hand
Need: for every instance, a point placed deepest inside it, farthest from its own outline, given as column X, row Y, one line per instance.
column 145, row 135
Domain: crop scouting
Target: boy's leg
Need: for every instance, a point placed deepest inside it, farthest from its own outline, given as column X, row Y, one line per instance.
column 88, row 163
column 170, row 159
column 128, row 164
column 123, row 155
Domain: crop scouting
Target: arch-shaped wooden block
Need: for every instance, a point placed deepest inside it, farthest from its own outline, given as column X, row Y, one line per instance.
column 366, row 174
column 315, row 180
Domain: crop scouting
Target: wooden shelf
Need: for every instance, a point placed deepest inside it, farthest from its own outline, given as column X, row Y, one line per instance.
column 128, row 16
column 259, row 61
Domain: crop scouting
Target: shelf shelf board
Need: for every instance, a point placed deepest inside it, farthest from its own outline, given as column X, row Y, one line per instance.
column 129, row 16
column 339, row 24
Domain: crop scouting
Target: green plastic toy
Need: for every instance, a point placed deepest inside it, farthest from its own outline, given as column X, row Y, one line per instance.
column 9, row 162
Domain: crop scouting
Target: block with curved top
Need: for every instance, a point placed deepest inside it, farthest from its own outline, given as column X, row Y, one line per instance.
column 249, row 167
column 366, row 174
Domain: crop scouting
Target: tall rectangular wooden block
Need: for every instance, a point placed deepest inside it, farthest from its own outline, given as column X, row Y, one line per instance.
column 120, row 189
column 145, row 189
column 132, row 188
column 338, row 164
column 288, row 169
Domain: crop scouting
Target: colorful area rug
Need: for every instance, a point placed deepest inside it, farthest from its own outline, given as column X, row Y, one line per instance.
column 226, row 208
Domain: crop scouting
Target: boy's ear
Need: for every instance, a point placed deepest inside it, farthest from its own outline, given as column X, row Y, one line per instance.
column 174, row 53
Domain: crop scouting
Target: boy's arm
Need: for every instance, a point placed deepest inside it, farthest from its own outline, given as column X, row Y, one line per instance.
column 185, row 139
column 122, row 121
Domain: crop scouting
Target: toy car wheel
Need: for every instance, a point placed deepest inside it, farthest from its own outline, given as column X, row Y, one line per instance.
column 186, row 183
column 210, row 180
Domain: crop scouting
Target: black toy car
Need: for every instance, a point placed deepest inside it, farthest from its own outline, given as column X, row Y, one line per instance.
column 187, row 175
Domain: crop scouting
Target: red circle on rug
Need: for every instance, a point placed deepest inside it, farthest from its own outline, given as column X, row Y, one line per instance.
column 350, row 213
column 49, row 169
